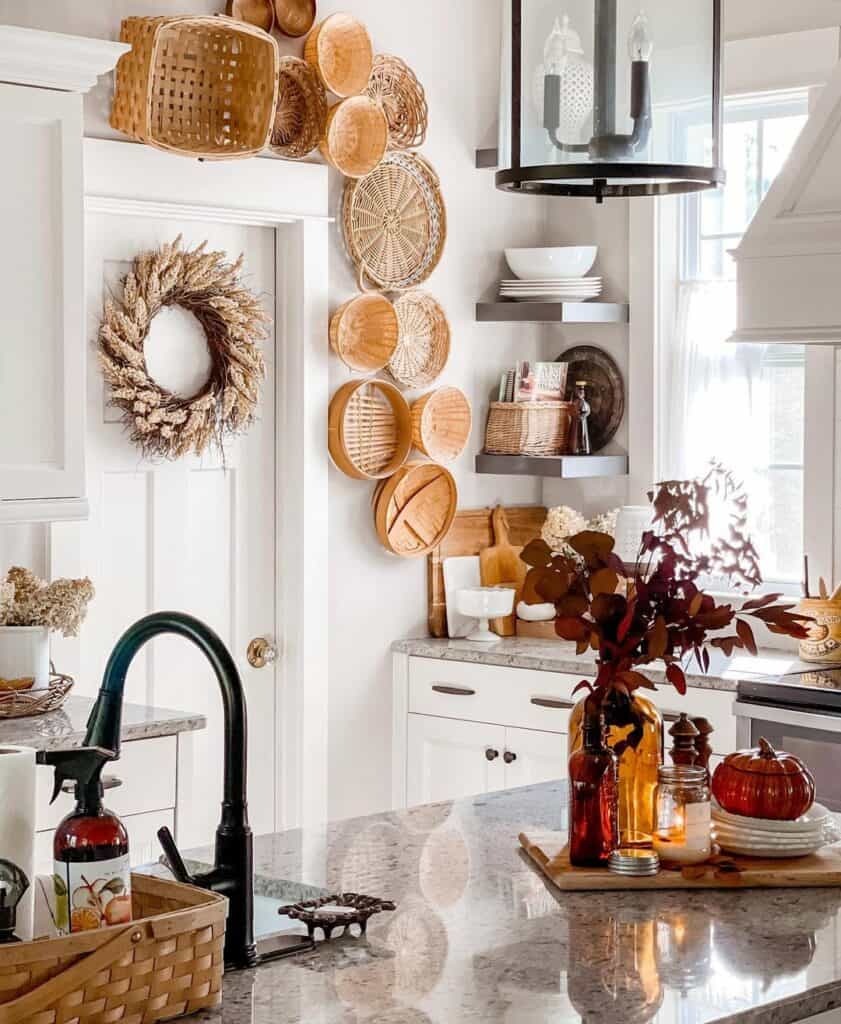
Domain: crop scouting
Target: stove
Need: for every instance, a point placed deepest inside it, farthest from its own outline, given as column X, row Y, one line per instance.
column 817, row 689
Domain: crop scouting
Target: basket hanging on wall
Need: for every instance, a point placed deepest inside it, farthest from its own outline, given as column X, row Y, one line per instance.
column 163, row 424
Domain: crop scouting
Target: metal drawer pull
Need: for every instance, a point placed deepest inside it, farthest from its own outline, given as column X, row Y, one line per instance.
column 547, row 702
column 491, row 754
column 508, row 757
column 454, row 691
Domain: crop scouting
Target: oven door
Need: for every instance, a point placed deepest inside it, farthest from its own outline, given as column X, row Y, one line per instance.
column 813, row 736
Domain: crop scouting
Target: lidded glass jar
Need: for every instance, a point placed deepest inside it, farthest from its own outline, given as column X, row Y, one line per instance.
column 683, row 830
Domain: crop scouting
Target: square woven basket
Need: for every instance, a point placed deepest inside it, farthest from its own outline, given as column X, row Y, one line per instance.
column 168, row 963
column 202, row 87
column 529, row 428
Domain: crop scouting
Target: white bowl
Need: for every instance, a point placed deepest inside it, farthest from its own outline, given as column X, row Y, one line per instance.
column 552, row 261
column 484, row 603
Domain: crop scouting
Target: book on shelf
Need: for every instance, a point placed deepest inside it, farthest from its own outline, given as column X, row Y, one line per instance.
column 540, row 382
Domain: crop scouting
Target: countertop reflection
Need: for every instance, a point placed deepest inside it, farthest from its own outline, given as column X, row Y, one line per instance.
column 478, row 936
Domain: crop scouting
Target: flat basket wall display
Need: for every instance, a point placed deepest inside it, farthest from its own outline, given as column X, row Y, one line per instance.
column 395, row 87
column 424, row 346
column 197, row 86
column 339, row 48
column 394, row 221
column 166, row 963
column 355, row 136
column 529, row 428
column 364, row 332
column 301, row 110
column 441, row 423
column 415, row 508
column 369, row 429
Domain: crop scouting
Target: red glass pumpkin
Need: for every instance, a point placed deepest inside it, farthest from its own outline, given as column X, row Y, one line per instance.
column 764, row 784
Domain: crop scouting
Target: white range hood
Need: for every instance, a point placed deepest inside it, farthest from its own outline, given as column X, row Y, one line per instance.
column 789, row 261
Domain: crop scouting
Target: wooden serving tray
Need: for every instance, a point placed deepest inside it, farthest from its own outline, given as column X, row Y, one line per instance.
column 820, row 870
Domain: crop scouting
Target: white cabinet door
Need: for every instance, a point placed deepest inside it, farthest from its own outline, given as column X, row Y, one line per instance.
column 42, row 350
column 531, row 757
column 449, row 759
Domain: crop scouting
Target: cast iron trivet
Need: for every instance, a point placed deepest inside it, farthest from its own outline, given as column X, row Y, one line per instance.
column 340, row 912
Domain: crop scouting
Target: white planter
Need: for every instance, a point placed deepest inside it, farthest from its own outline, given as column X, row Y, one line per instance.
column 25, row 654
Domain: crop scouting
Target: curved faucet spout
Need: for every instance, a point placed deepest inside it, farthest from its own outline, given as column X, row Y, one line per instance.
column 233, row 871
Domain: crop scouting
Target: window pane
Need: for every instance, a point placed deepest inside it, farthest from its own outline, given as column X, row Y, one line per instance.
column 780, row 135
column 729, row 210
column 715, row 259
column 776, row 498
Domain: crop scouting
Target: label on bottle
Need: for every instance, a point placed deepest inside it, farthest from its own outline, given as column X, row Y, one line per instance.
column 91, row 895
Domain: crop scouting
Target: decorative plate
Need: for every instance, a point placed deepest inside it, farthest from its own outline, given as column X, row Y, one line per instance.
column 395, row 222
column 605, row 390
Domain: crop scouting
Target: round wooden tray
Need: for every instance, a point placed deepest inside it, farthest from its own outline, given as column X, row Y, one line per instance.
column 605, row 390
column 339, row 48
column 415, row 509
column 294, row 17
column 369, row 429
column 441, row 423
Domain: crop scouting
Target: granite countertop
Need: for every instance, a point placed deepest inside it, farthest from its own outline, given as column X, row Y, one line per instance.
column 556, row 656
column 478, row 936
column 67, row 726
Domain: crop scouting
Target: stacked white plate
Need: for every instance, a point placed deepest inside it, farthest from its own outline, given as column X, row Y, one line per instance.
column 764, row 837
column 557, row 289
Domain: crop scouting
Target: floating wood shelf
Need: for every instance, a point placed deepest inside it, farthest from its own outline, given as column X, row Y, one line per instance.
column 487, row 159
column 560, row 467
column 553, row 312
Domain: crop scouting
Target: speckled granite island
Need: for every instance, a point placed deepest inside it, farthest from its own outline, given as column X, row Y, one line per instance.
column 479, row 937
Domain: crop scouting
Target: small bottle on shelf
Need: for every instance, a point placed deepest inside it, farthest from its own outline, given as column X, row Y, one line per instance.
column 593, row 797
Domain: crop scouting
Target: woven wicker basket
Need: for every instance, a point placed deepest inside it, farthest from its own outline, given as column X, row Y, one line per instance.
column 364, row 332
column 424, row 346
column 339, row 48
column 396, row 88
column 529, row 428
column 441, row 423
column 28, row 703
column 167, row 963
column 301, row 110
column 197, row 86
column 369, row 429
column 355, row 136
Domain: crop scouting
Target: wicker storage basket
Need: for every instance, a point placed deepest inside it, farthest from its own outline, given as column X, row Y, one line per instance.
column 197, row 86
column 301, row 110
column 355, row 136
column 167, row 963
column 529, row 428
column 364, row 332
column 339, row 48
column 441, row 423
column 396, row 88
column 424, row 346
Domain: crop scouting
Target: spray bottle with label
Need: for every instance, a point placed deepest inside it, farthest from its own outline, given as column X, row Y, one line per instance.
column 92, row 877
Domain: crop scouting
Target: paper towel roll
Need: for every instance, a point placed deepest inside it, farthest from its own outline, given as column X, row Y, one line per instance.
column 17, row 823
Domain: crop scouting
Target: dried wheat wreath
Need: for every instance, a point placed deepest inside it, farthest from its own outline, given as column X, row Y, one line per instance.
column 161, row 423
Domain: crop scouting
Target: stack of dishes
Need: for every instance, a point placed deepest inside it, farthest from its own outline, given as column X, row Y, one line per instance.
column 764, row 837
column 558, row 289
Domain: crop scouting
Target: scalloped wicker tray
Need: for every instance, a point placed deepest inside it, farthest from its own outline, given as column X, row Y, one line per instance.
column 25, row 703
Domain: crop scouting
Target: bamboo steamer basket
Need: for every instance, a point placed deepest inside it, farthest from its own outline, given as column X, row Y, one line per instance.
column 364, row 332
column 355, row 136
column 530, row 428
column 823, row 646
column 340, row 50
column 166, row 963
column 441, row 424
column 424, row 346
column 295, row 17
column 203, row 87
column 369, row 429
column 259, row 13
column 415, row 509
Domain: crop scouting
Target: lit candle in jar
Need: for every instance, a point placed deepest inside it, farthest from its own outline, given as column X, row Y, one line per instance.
column 683, row 833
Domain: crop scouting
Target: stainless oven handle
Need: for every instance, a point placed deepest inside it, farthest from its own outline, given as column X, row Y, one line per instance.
column 785, row 716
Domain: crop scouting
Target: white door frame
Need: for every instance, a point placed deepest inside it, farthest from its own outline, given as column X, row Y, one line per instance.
column 126, row 179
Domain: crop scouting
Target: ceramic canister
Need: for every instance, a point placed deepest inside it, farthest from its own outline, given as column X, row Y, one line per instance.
column 823, row 646
column 25, row 654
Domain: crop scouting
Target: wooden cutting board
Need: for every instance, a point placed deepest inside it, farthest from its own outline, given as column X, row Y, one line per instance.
column 820, row 870
column 501, row 566
column 470, row 533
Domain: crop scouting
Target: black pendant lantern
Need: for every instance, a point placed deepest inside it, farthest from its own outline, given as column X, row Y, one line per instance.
column 605, row 98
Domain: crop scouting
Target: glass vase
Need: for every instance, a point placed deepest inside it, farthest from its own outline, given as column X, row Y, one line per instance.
column 634, row 730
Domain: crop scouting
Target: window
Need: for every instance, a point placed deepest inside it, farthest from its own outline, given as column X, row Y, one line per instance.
column 741, row 404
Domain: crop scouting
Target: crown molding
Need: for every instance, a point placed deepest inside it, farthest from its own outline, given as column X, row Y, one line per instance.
column 51, row 60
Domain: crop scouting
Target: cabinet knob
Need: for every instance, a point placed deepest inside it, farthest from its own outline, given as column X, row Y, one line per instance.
column 508, row 757
column 491, row 754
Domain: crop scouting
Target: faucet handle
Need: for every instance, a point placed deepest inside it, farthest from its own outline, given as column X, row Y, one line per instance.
column 174, row 860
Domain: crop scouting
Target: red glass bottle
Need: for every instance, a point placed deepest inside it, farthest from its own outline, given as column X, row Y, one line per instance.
column 593, row 797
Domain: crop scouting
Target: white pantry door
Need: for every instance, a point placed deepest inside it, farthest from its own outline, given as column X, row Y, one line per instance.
column 194, row 535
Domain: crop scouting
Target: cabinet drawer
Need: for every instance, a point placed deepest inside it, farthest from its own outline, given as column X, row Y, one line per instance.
column 147, row 769
column 516, row 697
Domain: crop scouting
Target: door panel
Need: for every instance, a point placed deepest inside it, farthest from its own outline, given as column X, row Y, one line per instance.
column 447, row 759
column 539, row 757
column 196, row 535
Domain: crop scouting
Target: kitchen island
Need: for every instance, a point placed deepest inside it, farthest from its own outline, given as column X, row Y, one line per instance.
column 479, row 937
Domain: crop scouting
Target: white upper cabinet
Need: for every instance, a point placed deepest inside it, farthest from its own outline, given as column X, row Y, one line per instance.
column 43, row 346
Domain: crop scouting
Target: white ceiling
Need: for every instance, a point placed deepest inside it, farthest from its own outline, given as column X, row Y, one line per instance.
column 746, row 18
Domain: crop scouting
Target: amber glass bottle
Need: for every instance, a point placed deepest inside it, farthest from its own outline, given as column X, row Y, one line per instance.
column 593, row 797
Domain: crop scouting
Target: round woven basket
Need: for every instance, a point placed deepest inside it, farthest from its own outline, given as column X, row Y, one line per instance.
column 394, row 221
column 339, row 48
column 301, row 110
column 441, row 423
column 424, row 346
column 355, row 136
column 27, row 703
column 415, row 509
column 259, row 13
column 295, row 17
column 369, row 429
column 364, row 332
column 396, row 88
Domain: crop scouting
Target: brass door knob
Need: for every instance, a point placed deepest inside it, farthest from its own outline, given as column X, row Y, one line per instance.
column 261, row 652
